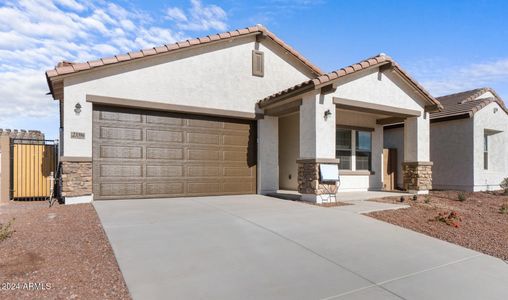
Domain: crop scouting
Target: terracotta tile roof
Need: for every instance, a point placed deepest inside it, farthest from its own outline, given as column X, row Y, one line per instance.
column 375, row 61
column 466, row 103
column 64, row 68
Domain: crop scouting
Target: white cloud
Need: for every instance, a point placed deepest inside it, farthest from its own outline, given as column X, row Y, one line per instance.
column 199, row 17
column 176, row 14
column 36, row 34
column 441, row 80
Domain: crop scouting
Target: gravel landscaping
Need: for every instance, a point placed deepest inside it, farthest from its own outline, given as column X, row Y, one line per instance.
column 60, row 252
column 478, row 221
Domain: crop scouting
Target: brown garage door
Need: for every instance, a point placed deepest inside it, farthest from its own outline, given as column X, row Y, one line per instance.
column 147, row 154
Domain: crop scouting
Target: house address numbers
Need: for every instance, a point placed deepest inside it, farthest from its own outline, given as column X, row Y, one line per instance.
column 77, row 135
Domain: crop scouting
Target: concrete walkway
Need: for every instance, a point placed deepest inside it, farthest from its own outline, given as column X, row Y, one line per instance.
column 358, row 201
column 255, row 247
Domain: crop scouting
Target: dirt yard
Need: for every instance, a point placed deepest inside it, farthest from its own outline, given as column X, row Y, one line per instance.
column 57, row 253
column 477, row 221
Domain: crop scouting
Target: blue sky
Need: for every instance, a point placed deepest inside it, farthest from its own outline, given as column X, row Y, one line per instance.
column 448, row 46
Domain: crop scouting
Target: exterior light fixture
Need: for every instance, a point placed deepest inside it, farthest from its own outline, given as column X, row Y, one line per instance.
column 495, row 109
column 327, row 114
column 77, row 108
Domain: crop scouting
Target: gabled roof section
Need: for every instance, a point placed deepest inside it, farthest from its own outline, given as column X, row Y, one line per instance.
column 329, row 78
column 466, row 103
column 67, row 68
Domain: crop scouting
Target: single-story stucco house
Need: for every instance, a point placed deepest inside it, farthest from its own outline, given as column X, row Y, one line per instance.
column 468, row 141
column 233, row 113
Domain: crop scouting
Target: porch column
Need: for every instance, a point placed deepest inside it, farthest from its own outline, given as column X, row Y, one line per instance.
column 317, row 142
column 417, row 167
column 268, row 155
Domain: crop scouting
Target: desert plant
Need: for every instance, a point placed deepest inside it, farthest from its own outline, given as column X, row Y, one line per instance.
column 449, row 218
column 504, row 185
column 401, row 199
column 461, row 197
column 427, row 199
column 6, row 231
column 415, row 197
column 504, row 208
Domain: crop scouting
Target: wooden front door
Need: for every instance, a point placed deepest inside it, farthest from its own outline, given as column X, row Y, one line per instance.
column 389, row 169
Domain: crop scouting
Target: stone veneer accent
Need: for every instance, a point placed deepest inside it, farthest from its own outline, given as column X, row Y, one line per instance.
column 76, row 178
column 308, row 176
column 417, row 175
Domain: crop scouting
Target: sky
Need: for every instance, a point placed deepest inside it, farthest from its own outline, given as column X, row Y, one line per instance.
column 447, row 46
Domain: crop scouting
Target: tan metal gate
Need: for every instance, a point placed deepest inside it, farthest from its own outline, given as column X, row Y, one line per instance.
column 32, row 164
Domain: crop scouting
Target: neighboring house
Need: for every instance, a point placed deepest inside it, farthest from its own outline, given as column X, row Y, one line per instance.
column 185, row 120
column 469, row 141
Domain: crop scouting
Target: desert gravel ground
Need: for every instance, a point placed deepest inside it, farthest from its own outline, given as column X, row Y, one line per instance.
column 63, row 249
column 482, row 226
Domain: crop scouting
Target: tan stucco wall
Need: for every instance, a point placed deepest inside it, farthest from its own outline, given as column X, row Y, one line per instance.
column 217, row 76
column 289, row 139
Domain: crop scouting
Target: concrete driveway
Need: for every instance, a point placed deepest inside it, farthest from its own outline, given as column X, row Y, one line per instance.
column 256, row 247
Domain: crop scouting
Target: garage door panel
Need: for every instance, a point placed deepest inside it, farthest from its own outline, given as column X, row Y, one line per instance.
column 158, row 154
column 165, row 136
column 204, row 188
column 123, row 189
column 164, row 153
column 195, row 154
column 165, row 120
column 238, row 171
column 239, row 187
column 203, row 138
column 204, row 123
column 165, row 188
column 120, row 170
column 203, row 171
column 119, row 116
column 159, row 171
column 119, row 133
column 111, row 151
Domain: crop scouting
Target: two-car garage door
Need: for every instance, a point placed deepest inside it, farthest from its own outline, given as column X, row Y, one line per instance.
column 147, row 154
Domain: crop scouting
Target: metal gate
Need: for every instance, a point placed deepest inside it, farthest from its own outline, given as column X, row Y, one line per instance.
column 33, row 167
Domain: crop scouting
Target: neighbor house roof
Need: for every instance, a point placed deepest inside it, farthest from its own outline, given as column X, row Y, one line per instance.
column 65, row 68
column 376, row 61
column 466, row 103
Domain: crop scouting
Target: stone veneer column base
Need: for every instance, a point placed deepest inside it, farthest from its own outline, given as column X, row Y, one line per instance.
column 417, row 176
column 308, row 180
column 76, row 179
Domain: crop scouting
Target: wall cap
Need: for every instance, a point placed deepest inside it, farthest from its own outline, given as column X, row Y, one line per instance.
column 417, row 163
column 318, row 160
column 75, row 159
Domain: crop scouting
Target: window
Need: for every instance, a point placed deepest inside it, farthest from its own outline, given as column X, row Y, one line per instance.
column 363, row 150
column 343, row 149
column 354, row 149
column 485, row 151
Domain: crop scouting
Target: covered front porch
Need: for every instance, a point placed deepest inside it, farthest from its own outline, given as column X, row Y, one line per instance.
column 340, row 121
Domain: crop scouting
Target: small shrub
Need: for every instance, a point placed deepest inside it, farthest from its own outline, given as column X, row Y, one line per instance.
column 415, row 197
column 402, row 199
column 461, row 197
column 427, row 199
column 449, row 218
column 504, row 185
column 6, row 231
column 504, row 208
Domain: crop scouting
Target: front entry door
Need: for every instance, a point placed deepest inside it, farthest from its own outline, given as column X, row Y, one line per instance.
column 389, row 169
